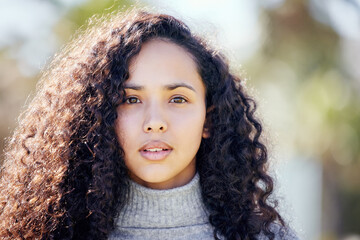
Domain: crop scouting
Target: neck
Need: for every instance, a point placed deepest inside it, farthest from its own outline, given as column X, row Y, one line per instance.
column 181, row 206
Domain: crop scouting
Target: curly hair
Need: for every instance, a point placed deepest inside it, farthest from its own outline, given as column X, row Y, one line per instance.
column 64, row 175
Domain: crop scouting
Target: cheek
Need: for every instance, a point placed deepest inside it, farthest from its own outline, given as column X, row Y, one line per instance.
column 189, row 125
column 125, row 128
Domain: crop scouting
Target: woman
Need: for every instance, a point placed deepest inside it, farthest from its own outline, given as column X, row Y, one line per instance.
column 138, row 106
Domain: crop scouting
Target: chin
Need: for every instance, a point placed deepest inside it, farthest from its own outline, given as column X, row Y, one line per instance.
column 156, row 178
column 151, row 177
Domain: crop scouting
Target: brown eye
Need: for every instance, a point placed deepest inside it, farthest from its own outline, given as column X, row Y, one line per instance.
column 132, row 100
column 178, row 100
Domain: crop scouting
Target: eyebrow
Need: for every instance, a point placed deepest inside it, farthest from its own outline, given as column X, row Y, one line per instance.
column 168, row 87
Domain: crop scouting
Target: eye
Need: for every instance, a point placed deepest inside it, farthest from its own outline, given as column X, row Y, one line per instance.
column 132, row 100
column 178, row 100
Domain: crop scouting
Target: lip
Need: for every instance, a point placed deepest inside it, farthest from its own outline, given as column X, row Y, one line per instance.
column 158, row 155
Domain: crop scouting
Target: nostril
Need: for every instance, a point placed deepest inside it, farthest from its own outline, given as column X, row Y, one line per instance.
column 154, row 128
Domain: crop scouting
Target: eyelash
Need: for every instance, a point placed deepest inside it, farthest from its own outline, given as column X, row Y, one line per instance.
column 127, row 100
column 183, row 100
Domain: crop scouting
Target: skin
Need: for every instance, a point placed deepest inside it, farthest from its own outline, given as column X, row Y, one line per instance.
column 153, row 112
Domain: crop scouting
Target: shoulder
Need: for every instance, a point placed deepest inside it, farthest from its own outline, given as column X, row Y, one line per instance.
column 281, row 233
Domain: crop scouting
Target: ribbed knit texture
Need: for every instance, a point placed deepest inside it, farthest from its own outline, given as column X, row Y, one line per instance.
column 177, row 213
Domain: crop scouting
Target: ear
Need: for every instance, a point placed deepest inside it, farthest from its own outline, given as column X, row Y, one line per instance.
column 206, row 133
column 206, row 129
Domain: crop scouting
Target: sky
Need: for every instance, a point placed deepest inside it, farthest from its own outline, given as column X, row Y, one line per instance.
column 234, row 25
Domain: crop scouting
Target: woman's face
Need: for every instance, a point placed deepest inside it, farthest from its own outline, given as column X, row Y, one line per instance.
column 160, row 126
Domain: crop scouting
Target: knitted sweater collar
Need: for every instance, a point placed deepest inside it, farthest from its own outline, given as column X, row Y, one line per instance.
column 151, row 208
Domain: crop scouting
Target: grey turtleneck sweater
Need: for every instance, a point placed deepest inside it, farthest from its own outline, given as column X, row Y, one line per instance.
column 177, row 213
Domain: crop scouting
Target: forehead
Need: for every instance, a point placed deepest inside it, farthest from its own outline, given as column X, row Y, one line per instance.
column 160, row 60
column 165, row 49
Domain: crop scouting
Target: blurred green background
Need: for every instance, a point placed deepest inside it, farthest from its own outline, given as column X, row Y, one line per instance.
column 300, row 59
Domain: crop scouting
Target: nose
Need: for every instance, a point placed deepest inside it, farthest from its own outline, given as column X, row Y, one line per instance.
column 154, row 120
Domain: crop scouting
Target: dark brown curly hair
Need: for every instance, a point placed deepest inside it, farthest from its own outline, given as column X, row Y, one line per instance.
column 64, row 175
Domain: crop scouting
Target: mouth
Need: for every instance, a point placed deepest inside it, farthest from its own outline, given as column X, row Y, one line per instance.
column 155, row 150
column 155, row 154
